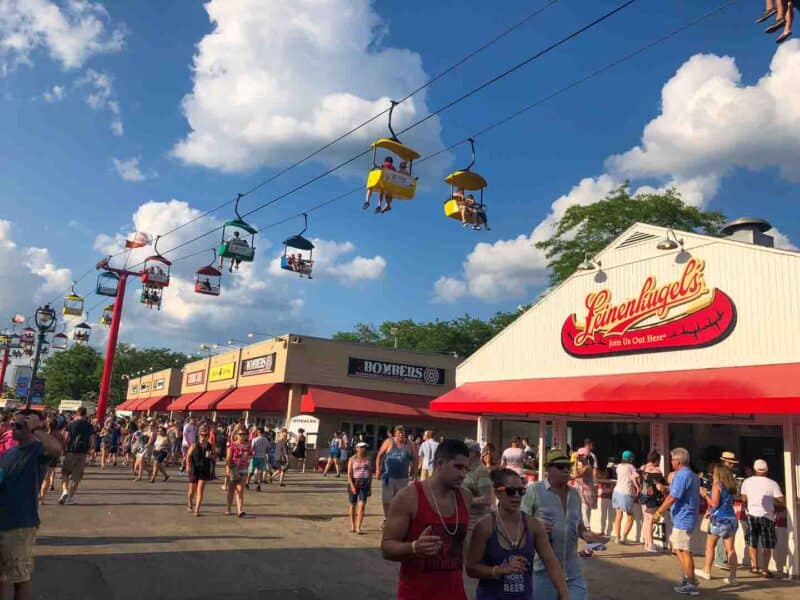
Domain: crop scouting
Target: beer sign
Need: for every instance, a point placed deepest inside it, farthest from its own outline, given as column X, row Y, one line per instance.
column 392, row 371
column 196, row 377
column 676, row 315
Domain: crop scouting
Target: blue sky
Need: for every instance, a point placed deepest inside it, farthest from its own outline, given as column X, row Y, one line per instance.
column 276, row 80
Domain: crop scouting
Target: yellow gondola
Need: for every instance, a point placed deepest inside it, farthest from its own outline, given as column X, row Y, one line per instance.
column 461, row 206
column 108, row 315
column 397, row 182
column 73, row 305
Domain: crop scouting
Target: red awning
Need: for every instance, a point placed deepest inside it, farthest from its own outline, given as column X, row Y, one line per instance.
column 155, row 403
column 182, row 402
column 126, row 404
column 209, row 400
column 372, row 402
column 271, row 397
column 765, row 389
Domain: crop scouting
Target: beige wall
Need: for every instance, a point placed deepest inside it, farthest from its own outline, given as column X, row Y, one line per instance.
column 315, row 361
column 193, row 369
column 226, row 360
column 265, row 348
column 133, row 384
column 145, row 382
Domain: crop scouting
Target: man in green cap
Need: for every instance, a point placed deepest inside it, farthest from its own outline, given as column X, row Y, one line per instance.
column 559, row 506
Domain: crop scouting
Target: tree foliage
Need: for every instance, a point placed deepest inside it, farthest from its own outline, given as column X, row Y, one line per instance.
column 460, row 336
column 586, row 230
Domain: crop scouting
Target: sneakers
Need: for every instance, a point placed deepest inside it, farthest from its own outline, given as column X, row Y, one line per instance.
column 702, row 574
column 730, row 580
column 689, row 589
column 63, row 498
column 70, row 500
column 258, row 487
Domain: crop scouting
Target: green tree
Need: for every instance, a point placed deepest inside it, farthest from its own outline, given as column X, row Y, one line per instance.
column 130, row 360
column 460, row 336
column 71, row 373
column 589, row 229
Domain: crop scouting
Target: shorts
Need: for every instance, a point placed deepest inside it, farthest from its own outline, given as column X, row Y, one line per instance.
column 160, row 456
column 425, row 474
column 336, row 454
column 200, row 477
column 391, row 487
column 238, row 475
column 257, row 464
column 73, row 466
column 16, row 554
column 622, row 501
column 761, row 529
column 361, row 495
column 724, row 528
column 681, row 539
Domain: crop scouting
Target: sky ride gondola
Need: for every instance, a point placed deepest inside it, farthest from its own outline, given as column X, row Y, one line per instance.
column 392, row 183
column 108, row 315
column 59, row 341
column 151, row 297
column 463, row 206
column 297, row 262
column 155, row 273
column 27, row 337
column 73, row 304
column 107, row 284
column 81, row 333
column 237, row 248
column 208, row 279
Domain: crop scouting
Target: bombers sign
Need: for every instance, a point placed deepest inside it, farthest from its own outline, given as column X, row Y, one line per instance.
column 378, row 369
column 675, row 315
column 258, row 365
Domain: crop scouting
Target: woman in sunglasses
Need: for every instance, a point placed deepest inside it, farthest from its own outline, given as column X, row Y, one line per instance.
column 504, row 544
column 236, row 464
column 200, row 460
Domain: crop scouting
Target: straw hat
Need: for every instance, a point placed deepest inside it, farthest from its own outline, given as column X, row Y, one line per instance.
column 729, row 457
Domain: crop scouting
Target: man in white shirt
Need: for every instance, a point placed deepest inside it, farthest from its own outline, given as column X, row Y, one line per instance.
column 760, row 495
column 427, row 450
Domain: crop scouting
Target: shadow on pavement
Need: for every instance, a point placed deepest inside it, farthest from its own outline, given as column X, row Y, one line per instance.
column 165, row 539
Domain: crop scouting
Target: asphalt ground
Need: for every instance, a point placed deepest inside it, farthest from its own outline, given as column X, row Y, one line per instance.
column 126, row 540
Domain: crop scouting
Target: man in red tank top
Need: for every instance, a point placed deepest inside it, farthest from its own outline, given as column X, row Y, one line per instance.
column 426, row 527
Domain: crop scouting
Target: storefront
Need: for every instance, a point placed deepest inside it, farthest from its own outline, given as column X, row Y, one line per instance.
column 152, row 393
column 356, row 388
column 661, row 340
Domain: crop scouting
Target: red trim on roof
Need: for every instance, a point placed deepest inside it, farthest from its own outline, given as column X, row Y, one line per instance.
column 182, row 402
column 126, row 404
column 210, row 399
column 764, row 389
column 271, row 397
column 330, row 399
column 155, row 403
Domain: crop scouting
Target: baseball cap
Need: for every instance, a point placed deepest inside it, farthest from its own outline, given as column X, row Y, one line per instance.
column 627, row 455
column 760, row 466
column 557, row 456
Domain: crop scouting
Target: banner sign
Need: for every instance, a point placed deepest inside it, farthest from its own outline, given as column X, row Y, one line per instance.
column 196, row 377
column 258, row 365
column 392, row 371
column 222, row 372
column 677, row 315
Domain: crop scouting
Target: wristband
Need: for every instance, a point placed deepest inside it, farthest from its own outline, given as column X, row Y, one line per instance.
column 414, row 547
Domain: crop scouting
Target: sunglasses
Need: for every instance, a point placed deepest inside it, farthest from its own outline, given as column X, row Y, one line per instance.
column 560, row 466
column 17, row 426
column 512, row 491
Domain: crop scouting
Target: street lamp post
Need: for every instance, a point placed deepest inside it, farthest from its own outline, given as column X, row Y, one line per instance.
column 45, row 319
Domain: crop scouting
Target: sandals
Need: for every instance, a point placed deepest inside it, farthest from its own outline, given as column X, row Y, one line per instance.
column 365, row 206
column 783, row 37
column 775, row 26
column 755, row 571
column 387, row 209
column 241, row 515
column 378, row 210
column 766, row 15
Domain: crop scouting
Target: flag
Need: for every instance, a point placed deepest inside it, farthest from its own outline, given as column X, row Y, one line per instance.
column 18, row 319
column 139, row 240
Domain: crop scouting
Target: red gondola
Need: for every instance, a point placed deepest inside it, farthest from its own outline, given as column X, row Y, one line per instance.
column 208, row 279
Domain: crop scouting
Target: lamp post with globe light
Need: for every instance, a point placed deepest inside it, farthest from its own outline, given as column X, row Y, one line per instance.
column 45, row 320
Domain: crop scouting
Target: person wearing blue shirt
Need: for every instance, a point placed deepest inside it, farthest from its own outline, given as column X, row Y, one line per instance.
column 21, row 471
column 683, row 502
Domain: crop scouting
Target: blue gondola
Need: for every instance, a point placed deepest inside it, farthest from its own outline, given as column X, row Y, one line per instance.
column 297, row 262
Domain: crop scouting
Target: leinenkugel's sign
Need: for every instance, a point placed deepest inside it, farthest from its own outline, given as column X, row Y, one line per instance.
column 676, row 315
column 379, row 369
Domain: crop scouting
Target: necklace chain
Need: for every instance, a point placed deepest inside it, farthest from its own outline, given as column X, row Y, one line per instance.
column 517, row 538
column 441, row 518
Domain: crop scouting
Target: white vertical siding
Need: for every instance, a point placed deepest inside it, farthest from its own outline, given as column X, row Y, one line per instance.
column 764, row 285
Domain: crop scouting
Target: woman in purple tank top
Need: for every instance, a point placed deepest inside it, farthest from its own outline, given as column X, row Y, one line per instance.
column 503, row 545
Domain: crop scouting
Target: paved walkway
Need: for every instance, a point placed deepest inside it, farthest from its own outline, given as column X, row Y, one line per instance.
column 126, row 540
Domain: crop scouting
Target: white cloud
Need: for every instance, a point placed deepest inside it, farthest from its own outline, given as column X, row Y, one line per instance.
column 101, row 97
column 56, row 94
column 70, row 30
column 28, row 273
column 274, row 80
column 330, row 261
column 710, row 124
column 130, row 169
